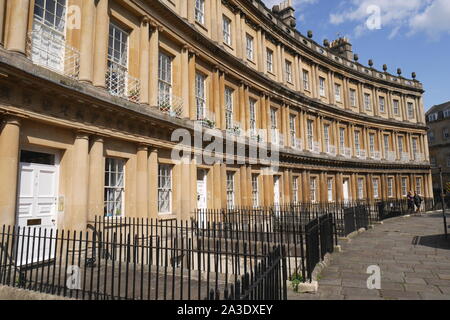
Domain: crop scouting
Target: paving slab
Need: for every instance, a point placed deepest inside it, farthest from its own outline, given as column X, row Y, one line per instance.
column 410, row 270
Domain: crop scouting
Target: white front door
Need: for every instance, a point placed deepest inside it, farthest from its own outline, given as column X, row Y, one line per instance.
column 201, row 195
column 345, row 189
column 276, row 190
column 201, row 189
column 37, row 209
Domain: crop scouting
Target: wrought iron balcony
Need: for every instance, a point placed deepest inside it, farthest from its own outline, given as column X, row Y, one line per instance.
column 170, row 104
column 297, row 144
column 345, row 152
column 208, row 120
column 391, row 156
column 47, row 47
column 120, row 83
column 361, row 154
column 331, row 150
column 376, row 155
column 235, row 128
column 404, row 157
column 316, row 147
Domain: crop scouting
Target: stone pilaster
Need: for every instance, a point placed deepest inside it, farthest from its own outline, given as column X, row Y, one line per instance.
column 142, row 182
column 9, row 164
column 144, row 60
column 96, row 178
column 87, row 41
column 153, row 183
column 76, row 219
column 154, row 64
column 18, row 11
column 2, row 21
column 101, row 43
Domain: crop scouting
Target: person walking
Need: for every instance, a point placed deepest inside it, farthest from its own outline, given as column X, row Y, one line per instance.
column 417, row 201
column 410, row 200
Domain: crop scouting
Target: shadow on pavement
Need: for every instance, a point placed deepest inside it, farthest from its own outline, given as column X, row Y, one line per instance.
column 434, row 241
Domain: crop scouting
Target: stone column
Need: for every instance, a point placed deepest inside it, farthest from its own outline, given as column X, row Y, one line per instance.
column 153, row 183
column 216, row 95
column 96, row 178
column 76, row 219
column 185, row 186
column 87, row 41
column 217, row 190
column 243, row 186
column 191, row 86
column 2, row 20
column 238, row 34
column 144, row 60
column 18, row 11
column 142, row 182
column 101, row 43
column 185, row 79
column 153, row 73
column 9, row 166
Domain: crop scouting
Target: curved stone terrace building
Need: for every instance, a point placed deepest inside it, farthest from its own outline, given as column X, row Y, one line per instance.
column 91, row 93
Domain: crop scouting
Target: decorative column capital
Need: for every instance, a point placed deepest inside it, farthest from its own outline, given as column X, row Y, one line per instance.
column 12, row 120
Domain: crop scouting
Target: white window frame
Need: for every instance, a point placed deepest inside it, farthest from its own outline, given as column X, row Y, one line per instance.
column 352, row 97
column 252, row 115
column 372, row 143
column 367, row 103
column 165, row 188
column 326, row 137
column 164, row 78
column 255, row 190
column 59, row 17
column 288, row 69
column 341, row 139
column 434, row 116
column 382, row 103
column 446, row 114
column 117, row 61
column 404, row 185
column 337, row 92
column 360, row 184
column 117, row 190
column 400, row 144
column 419, row 185
column 249, row 47
column 376, row 188
column 410, row 108
column 295, row 189
column 330, row 189
column 305, row 79
column 357, row 142
column 390, row 187
column 200, row 11
column 292, row 128
column 229, row 120
column 226, row 30
column 313, row 189
column 310, row 133
column 396, row 107
column 200, row 95
column 322, row 90
column 269, row 60
column 230, row 189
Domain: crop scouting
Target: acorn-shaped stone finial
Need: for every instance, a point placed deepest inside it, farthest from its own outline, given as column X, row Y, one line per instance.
column 326, row 43
column 399, row 71
column 370, row 62
column 414, row 75
column 355, row 57
column 385, row 67
column 310, row 34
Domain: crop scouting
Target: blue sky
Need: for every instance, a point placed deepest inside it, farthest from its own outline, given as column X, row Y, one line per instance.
column 413, row 35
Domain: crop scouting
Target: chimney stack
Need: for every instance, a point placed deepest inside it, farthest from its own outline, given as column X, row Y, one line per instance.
column 342, row 47
column 286, row 12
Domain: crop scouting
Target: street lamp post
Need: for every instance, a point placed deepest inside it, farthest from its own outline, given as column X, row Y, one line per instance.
column 443, row 202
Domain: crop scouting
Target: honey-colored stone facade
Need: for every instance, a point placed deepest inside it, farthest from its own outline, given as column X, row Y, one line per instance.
column 302, row 96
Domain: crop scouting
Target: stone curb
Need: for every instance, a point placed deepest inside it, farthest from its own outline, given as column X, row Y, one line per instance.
column 11, row 293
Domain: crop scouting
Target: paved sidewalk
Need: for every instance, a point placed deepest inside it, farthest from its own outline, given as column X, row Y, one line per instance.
column 412, row 253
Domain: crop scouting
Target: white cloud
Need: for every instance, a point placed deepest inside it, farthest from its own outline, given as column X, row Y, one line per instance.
column 429, row 16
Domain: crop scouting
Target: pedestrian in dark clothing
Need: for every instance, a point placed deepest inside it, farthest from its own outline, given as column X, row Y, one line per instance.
column 410, row 199
column 417, row 201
